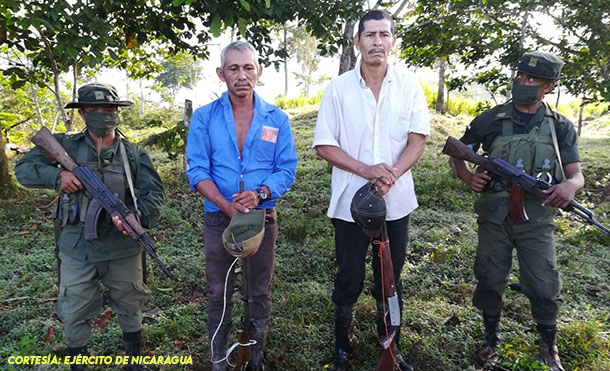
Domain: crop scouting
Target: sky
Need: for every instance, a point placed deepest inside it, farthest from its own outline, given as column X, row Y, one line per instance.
column 270, row 86
column 271, row 83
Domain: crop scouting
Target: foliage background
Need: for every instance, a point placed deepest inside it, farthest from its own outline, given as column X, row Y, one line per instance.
column 441, row 327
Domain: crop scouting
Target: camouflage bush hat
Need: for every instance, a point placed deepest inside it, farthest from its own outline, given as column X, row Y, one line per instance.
column 368, row 209
column 98, row 95
column 245, row 233
column 540, row 64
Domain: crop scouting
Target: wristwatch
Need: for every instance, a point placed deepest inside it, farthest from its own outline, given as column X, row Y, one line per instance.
column 262, row 195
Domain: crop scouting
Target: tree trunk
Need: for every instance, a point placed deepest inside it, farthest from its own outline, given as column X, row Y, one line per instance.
column 60, row 103
column 141, row 101
column 285, row 63
column 440, row 95
column 36, row 105
column 75, row 82
column 582, row 108
column 348, row 56
column 7, row 187
column 188, row 114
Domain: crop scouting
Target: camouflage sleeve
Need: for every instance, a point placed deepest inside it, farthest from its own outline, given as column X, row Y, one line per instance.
column 150, row 190
column 35, row 170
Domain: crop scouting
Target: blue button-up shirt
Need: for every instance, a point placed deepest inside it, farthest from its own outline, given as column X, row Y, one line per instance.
column 269, row 153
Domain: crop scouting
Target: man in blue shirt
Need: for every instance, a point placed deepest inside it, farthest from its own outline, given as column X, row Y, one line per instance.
column 239, row 138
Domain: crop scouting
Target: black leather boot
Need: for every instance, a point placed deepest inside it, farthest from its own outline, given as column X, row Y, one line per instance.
column 487, row 350
column 73, row 353
column 548, row 346
column 133, row 344
column 344, row 333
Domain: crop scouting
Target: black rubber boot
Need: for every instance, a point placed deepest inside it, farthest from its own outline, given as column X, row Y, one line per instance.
column 487, row 350
column 260, row 328
column 344, row 333
column 133, row 345
column 219, row 344
column 73, row 353
column 340, row 363
column 402, row 363
column 548, row 346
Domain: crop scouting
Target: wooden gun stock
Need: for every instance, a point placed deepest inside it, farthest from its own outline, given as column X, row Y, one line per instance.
column 53, row 149
column 387, row 359
column 454, row 148
column 244, row 354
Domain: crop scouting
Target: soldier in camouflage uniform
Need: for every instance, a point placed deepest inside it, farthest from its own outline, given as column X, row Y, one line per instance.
column 113, row 259
column 528, row 134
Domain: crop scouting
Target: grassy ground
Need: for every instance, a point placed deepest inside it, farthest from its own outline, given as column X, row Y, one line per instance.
column 441, row 327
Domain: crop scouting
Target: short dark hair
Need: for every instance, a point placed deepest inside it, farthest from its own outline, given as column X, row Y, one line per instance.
column 375, row 14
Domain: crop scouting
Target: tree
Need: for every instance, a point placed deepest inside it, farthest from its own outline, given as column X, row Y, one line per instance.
column 490, row 36
column 303, row 46
column 180, row 71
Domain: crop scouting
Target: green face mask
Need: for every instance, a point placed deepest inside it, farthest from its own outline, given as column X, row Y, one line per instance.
column 101, row 124
column 525, row 94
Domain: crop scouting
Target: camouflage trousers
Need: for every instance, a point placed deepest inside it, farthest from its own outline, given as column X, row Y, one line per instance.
column 80, row 298
column 535, row 246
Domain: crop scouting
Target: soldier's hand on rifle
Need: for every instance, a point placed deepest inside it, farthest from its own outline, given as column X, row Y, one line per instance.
column 560, row 195
column 478, row 181
column 69, row 183
column 119, row 225
column 389, row 173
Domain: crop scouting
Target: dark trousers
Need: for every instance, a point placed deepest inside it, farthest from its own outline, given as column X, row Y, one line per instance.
column 218, row 261
column 351, row 246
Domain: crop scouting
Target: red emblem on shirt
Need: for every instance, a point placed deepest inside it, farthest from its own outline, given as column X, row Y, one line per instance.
column 269, row 134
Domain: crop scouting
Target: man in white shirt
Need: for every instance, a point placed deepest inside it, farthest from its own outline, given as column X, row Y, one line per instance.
column 372, row 123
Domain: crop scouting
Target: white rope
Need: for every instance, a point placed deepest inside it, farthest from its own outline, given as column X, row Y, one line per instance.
column 224, row 307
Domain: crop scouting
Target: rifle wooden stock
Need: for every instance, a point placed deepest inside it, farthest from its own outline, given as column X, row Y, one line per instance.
column 53, row 149
column 244, row 353
column 454, row 148
column 390, row 298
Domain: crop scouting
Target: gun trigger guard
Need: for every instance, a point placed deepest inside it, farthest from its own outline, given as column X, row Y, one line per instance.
column 93, row 214
column 549, row 178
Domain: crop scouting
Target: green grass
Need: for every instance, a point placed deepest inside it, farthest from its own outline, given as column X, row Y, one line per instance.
column 441, row 327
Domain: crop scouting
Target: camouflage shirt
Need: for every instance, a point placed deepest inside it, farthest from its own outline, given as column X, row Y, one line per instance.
column 35, row 170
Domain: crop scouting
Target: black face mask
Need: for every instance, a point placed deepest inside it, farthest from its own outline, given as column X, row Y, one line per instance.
column 101, row 124
column 525, row 94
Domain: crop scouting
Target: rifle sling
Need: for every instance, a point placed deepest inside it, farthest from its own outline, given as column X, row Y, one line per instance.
column 556, row 145
column 128, row 176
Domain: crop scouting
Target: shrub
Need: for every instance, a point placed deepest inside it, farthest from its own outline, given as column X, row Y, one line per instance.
column 286, row 103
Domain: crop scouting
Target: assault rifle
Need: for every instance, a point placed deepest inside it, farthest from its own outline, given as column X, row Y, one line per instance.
column 517, row 178
column 100, row 196
column 387, row 359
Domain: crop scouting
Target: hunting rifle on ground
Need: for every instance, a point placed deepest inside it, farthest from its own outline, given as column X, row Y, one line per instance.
column 101, row 197
column 517, row 178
